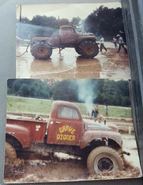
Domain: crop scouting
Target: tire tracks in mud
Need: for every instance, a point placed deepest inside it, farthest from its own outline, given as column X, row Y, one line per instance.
column 54, row 169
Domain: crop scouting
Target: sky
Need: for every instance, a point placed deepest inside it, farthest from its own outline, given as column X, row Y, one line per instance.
column 62, row 10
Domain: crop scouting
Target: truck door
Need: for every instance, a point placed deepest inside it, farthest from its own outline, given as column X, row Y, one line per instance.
column 66, row 128
column 68, row 36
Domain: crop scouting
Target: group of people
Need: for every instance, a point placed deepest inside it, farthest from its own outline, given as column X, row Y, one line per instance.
column 95, row 111
column 116, row 40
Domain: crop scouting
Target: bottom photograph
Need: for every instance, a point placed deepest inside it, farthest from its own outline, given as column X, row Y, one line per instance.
column 69, row 130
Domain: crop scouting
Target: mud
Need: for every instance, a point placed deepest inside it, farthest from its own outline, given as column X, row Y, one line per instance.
column 69, row 64
column 62, row 167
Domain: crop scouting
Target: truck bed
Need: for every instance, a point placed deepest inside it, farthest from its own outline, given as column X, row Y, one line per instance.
column 20, row 126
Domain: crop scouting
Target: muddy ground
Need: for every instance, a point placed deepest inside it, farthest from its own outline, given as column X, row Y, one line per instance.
column 62, row 167
column 69, row 64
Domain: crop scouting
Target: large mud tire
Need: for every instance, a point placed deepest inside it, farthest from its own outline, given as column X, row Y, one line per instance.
column 13, row 165
column 89, row 48
column 78, row 50
column 41, row 50
column 10, row 154
column 104, row 159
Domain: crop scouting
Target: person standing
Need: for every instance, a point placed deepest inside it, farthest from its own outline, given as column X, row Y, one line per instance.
column 102, row 44
column 92, row 113
column 115, row 41
column 121, row 43
column 106, row 110
column 96, row 112
column 17, row 42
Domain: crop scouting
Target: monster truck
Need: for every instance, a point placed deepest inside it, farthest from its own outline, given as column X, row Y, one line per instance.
column 67, row 132
column 84, row 43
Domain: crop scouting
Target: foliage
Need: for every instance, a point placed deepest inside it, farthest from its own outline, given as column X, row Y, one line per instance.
column 99, row 91
column 105, row 21
column 40, row 25
column 28, row 88
column 75, row 22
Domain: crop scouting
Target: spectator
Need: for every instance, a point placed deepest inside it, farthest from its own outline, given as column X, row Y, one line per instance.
column 92, row 113
column 115, row 41
column 121, row 43
column 106, row 110
column 102, row 44
column 96, row 112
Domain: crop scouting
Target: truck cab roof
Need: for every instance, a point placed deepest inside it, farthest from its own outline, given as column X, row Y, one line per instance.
column 64, row 103
column 66, row 26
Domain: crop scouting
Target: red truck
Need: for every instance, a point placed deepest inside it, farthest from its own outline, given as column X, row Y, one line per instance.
column 84, row 43
column 67, row 132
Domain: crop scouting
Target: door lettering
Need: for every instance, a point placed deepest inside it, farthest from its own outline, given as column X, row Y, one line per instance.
column 65, row 137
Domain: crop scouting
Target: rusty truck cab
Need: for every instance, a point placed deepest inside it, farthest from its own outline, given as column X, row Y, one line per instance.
column 66, row 125
column 68, row 35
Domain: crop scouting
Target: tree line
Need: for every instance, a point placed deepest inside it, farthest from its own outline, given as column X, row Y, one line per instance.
column 43, row 25
column 106, row 22
column 103, row 21
column 100, row 91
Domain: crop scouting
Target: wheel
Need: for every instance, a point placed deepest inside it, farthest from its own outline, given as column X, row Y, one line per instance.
column 41, row 50
column 89, row 48
column 10, row 153
column 104, row 159
column 78, row 50
column 32, row 52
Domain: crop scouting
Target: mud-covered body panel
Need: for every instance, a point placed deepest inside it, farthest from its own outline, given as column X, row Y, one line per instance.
column 67, row 37
column 91, row 135
column 26, row 131
column 21, row 133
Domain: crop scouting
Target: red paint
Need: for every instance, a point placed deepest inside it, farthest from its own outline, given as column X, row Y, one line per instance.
column 65, row 131
column 26, row 131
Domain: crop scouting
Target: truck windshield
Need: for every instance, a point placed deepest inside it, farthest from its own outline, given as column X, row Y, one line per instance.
column 66, row 112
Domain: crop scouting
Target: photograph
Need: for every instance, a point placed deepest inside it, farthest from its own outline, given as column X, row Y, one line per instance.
column 69, row 130
column 60, row 41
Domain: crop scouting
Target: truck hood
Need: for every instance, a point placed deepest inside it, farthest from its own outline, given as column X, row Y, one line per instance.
column 86, row 34
column 91, row 125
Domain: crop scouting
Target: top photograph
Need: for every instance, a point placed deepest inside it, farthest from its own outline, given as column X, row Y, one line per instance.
column 71, row 41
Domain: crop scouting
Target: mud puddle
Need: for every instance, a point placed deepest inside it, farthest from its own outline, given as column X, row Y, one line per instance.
column 64, row 167
column 69, row 64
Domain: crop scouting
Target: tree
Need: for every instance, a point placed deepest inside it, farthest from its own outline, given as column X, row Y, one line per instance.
column 65, row 90
column 25, row 20
column 105, row 21
column 75, row 22
column 64, row 21
column 24, row 91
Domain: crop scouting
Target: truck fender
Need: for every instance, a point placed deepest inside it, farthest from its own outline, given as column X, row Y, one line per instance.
column 50, row 45
column 21, row 133
column 89, row 136
column 39, row 39
column 84, row 38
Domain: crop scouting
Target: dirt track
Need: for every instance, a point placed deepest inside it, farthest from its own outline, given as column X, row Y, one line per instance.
column 69, row 64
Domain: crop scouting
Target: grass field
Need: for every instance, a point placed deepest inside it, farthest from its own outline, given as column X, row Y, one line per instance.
column 42, row 106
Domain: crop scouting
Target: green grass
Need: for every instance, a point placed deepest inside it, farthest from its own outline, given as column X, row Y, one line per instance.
column 31, row 105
